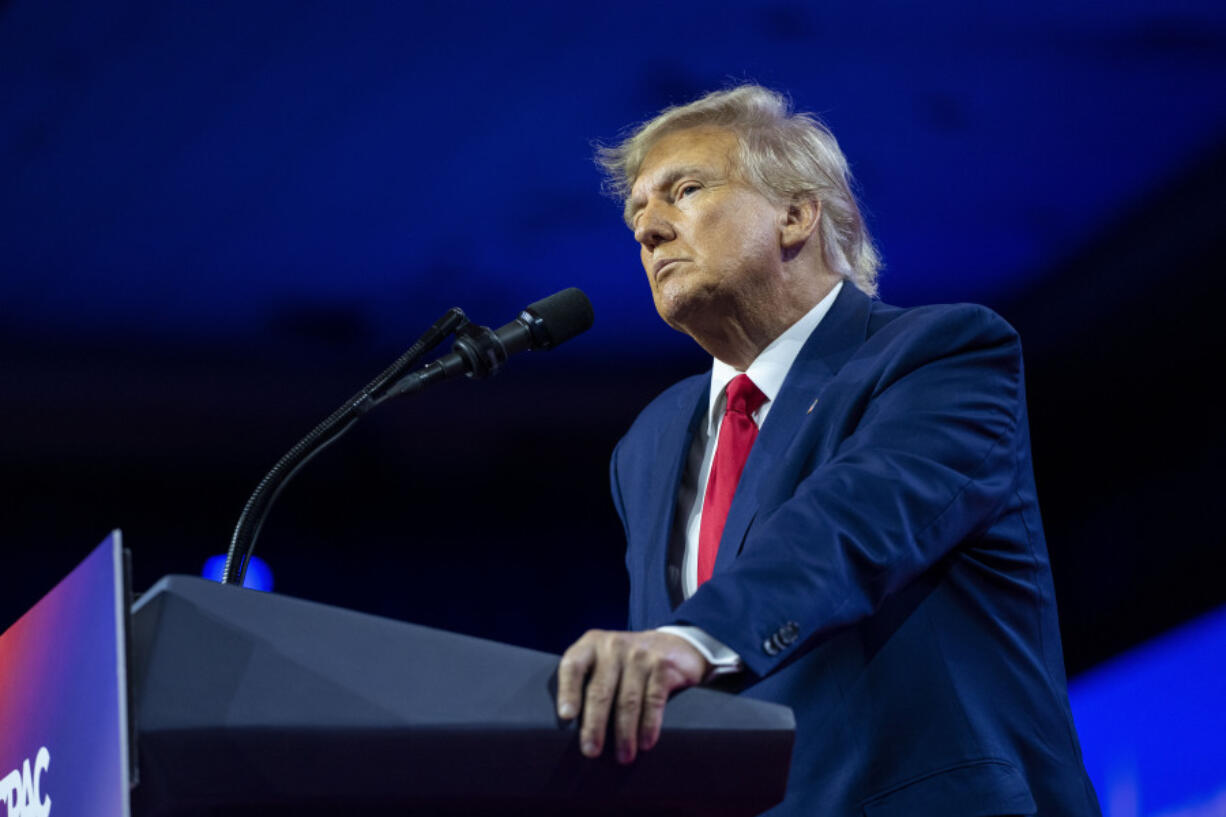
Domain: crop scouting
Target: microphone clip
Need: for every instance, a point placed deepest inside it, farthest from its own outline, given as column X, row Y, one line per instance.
column 480, row 349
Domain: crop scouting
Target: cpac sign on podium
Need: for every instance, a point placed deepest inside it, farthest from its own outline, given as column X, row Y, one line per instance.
column 64, row 739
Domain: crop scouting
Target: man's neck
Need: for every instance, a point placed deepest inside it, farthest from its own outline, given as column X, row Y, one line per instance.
column 770, row 368
column 738, row 339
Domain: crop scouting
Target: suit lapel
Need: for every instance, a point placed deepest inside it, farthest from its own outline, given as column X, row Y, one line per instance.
column 835, row 339
column 667, row 465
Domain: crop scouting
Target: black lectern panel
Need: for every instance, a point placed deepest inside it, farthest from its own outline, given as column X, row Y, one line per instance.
column 251, row 702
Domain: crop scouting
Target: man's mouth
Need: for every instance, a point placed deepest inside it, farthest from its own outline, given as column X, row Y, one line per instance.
column 665, row 265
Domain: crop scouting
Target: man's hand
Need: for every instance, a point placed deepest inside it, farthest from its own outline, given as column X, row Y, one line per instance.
column 640, row 670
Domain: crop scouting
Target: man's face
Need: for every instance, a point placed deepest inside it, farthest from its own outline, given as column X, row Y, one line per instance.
column 709, row 241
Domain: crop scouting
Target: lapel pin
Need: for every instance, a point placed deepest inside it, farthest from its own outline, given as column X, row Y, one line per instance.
column 812, row 406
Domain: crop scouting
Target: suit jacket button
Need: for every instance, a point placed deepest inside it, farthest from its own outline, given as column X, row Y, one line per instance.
column 789, row 632
column 771, row 646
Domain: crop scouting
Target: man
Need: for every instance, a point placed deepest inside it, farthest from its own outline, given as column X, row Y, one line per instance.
column 841, row 515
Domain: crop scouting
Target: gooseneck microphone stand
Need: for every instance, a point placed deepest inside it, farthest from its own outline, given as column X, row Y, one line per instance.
column 242, row 543
column 478, row 352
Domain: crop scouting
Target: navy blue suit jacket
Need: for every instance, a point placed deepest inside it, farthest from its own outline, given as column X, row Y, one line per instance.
column 883, row 569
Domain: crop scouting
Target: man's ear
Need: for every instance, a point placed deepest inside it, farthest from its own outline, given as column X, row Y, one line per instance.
column 800, row 222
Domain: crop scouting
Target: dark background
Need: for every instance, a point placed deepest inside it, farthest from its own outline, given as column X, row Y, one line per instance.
column 217, row 221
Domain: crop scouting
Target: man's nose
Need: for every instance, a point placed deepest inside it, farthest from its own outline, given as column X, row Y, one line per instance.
column 653, row 228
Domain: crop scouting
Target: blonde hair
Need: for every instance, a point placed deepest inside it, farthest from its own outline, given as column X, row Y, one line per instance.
column 785, row 155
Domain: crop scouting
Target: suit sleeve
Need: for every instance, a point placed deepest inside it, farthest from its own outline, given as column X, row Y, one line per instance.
column 931, row 458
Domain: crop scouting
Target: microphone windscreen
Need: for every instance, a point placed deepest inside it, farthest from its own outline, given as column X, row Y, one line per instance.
column 563, row 315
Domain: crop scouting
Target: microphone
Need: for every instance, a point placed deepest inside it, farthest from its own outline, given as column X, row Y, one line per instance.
column 480, row 352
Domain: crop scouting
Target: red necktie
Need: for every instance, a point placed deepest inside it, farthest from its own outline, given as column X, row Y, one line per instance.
column 736, row 436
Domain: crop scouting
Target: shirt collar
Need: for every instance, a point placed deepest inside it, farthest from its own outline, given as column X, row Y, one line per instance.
column 770, row 367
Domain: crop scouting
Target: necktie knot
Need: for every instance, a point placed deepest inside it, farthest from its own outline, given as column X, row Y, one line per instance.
column 743, row 396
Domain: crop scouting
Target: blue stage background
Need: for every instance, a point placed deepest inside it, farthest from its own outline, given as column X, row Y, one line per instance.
column 218, row 220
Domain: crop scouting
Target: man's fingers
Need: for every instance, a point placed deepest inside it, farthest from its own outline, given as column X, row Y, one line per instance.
column 629, row 677
column 675, row 664
column 630, row 703
column 572, row 670
column 654, row 698
column 601, row 688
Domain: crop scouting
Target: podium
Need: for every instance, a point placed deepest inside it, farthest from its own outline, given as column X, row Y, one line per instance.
column 254, row 703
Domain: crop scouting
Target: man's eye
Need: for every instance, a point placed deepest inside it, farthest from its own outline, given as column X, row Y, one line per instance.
column 687, row 189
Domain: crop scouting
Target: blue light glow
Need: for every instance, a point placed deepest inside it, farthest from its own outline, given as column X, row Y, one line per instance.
column 1152, row 723
column 272, row 205
column 259, row 574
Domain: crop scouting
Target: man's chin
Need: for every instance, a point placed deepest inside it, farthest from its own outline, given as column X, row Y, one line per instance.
column 678, row 312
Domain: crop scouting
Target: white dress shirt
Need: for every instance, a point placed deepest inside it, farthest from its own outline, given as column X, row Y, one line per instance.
column 768, row 371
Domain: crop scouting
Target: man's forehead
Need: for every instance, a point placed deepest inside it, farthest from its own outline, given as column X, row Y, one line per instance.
column 692, row 150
